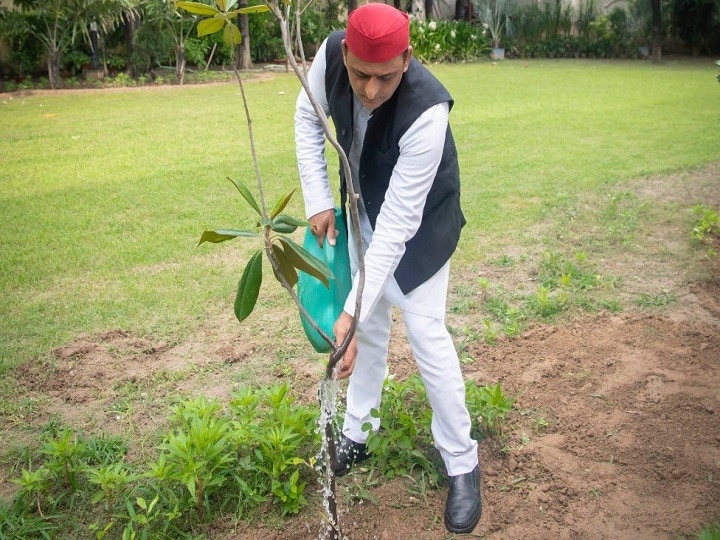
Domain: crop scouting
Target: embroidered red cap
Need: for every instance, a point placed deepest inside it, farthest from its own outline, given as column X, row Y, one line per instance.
column 377, row 32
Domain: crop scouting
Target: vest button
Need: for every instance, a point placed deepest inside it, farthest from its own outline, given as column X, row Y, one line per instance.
column 343, row 132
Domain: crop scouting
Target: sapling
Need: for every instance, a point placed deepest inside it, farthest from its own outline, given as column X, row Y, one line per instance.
column 284, row 255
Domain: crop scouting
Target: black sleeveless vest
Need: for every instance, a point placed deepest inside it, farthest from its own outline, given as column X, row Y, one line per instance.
column 439, row 232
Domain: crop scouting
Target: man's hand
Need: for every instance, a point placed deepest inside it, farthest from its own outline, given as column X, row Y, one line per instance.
column 341, row 328
column 323, row 223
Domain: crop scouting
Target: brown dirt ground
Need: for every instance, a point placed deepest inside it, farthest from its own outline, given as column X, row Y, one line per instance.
column 631, row 403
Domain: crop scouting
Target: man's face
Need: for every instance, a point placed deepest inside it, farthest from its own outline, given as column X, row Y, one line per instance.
column 375, row 82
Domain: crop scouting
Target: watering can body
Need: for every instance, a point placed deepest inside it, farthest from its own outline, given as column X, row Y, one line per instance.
column 324, row 304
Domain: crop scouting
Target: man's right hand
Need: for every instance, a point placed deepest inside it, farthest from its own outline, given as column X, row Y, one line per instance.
column 322, row 224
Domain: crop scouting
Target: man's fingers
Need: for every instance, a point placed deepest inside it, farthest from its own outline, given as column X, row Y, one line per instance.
column 322, row 224
column 331, row 236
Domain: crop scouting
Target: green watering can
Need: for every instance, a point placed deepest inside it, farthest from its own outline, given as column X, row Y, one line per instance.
column 324, row 304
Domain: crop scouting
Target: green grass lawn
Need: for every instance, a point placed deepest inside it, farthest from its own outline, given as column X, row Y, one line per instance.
column 104, row 194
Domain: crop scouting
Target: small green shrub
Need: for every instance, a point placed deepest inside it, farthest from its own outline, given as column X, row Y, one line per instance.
column 401, row 446
column 488, row 406
column 398, row 448
column 706, row 226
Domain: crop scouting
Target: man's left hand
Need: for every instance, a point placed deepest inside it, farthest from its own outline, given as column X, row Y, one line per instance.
column 341, row 329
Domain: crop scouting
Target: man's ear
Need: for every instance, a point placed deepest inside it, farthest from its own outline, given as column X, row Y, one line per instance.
column 408, row 56
column 344, row 47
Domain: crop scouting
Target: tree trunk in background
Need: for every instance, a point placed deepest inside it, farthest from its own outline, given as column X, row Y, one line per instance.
column 352, row 4
column 131, row 23
column 53, row 65
column 244, row 59
column 656, row 32
column 180, row 64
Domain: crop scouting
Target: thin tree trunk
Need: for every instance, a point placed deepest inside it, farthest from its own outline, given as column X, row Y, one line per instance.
column 244, row 57
column 131, row 24
column 53, row 65
column 180, row 63
column 656, row 32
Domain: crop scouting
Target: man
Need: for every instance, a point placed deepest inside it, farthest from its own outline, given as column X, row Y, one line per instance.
column 391, row 118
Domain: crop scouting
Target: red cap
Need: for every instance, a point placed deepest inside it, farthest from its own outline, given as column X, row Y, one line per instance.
column 377, row 32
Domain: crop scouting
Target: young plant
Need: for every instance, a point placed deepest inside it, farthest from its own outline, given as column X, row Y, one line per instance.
column 488, row 405
column 396, row 449
column 141, row 521
column 199, row 455
column 33, row 485
column 64, row 457
column 280, row 438
column 285, row 257
column 112, row 481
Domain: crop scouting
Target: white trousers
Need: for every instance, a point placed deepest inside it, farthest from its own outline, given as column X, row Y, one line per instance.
column 439, row 369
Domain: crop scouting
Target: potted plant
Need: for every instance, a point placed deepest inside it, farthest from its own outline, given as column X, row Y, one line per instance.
column 495, row 16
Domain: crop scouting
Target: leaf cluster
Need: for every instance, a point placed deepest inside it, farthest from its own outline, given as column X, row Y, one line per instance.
column 220, row 17
column 488, row 406
column 285, row 255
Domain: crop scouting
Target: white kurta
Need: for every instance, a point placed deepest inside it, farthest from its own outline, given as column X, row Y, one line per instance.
column 421, row 149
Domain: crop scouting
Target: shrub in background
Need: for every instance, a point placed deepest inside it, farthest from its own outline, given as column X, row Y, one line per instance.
column 448, row 41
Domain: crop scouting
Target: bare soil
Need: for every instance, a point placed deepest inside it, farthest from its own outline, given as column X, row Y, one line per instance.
column 615, row 432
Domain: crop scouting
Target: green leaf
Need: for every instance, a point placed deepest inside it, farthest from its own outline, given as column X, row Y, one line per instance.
column 286, row 224
column 282, row 203
column 221, row 235
column 245, row 192
column 289, row 220
column 232, row 35
column 221, row 5
column 249, row 287
column 283, row 228
column 286, row 268
column 210, row 26
column 262, row 8
column 303, row 260
column 197, row 8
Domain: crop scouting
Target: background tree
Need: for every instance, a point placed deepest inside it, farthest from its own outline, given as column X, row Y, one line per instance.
column 56, row 24
column 177, row 23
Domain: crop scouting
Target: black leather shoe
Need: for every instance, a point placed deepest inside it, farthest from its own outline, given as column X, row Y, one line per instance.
column 464, row 507
column 347, row 454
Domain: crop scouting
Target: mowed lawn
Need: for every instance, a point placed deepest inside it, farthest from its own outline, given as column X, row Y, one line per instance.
column 104, row 194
